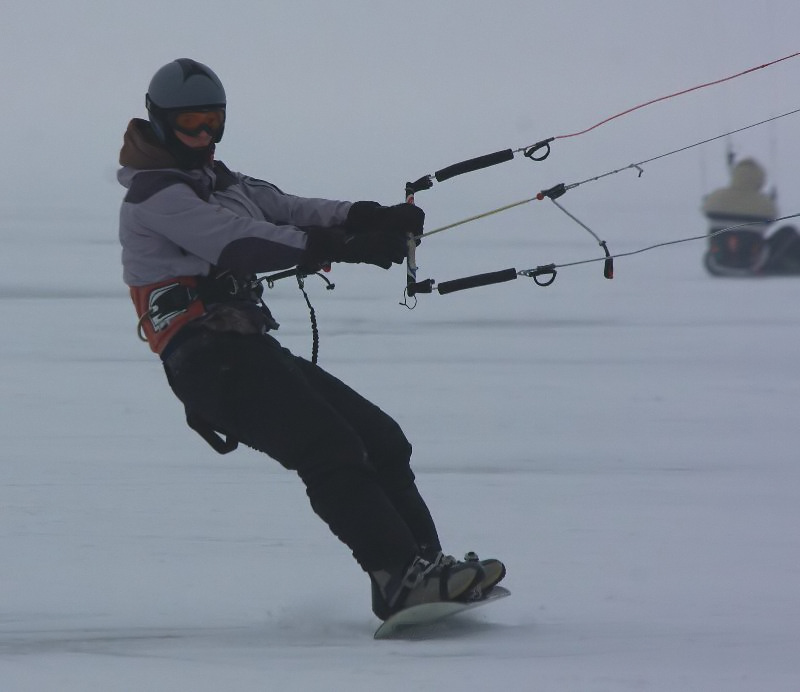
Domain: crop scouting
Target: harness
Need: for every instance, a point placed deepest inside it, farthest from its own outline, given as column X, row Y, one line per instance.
column 169, row 301
column 168, row 307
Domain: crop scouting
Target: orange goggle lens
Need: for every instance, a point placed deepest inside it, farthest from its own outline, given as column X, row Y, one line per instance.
column 192, row 122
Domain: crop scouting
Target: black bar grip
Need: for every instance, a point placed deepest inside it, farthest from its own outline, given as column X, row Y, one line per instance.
column 424, row 183
column 474, row 164
column 425, row 286
column 477, row 280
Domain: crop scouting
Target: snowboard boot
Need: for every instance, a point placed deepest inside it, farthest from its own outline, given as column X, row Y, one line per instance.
column 493, row 572
column 422, row 582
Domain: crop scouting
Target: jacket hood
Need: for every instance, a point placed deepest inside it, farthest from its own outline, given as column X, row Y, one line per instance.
column 141, row 149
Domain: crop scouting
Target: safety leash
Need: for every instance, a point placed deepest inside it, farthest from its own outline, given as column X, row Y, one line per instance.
column 313, row 317
column 301, row 275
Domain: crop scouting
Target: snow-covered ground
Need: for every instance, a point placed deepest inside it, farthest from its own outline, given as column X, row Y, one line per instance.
column 629, row 447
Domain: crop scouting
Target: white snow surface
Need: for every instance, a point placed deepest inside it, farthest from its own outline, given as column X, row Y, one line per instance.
column 629, row 447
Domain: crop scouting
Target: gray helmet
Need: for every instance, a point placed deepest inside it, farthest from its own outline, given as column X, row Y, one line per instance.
column 182, row 84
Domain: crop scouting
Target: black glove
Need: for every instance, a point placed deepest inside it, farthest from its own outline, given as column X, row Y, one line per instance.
column 337, row 244
column 364, row 217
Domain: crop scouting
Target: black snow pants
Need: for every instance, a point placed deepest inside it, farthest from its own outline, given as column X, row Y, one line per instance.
column 352, row 457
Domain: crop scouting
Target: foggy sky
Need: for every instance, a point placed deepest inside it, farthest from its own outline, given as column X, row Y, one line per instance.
column 350, row 99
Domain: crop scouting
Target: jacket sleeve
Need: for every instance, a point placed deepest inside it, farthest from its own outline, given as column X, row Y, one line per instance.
column 217, row 235
column 290, row 209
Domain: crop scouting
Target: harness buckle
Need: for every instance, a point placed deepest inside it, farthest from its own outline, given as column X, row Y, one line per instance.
column 167, row 302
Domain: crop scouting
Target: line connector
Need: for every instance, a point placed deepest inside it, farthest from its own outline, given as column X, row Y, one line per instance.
column 543, row 270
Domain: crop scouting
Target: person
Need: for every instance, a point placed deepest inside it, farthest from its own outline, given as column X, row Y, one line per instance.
column 194, row 236
column 740, row 250
column 751, row 249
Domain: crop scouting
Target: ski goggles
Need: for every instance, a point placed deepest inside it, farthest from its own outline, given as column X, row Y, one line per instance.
column 193, row 122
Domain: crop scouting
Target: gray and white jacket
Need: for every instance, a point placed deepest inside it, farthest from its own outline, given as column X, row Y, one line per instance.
column 180, row 225
column 176, row 222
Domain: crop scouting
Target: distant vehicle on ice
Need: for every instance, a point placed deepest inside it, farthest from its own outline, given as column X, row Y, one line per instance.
column 755, row 249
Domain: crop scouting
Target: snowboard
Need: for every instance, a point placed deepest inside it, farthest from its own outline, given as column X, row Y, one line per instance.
column 405, row 621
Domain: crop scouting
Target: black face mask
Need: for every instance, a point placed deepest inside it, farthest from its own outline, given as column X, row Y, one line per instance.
column 188, row 158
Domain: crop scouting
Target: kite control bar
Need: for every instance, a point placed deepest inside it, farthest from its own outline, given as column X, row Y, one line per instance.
column 426, row 182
